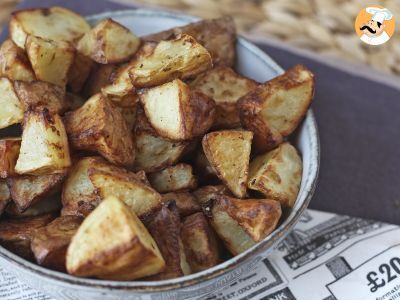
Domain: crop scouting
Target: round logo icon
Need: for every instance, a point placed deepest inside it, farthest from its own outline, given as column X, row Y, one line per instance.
column 375, row 25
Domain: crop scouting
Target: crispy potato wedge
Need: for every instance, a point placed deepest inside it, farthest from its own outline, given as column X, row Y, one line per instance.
column 176, row 112
column 100, row 76
column 16, row 235
column 49, row 204
column 108, row 42
column 185, row 202
column 78, row 194
column 275, row 108
column 181, row 58
column 141, row 175
column 74, row 101
column 277, row 174
column 50, row 60
column 200, row 241
column 206, row 193
column 27, row 190
column 99, row 126
column 110, row 180
column 46, row 134
column 120, row 82
column 14, row 62
column 165, row 228
column 154, row 153
column 49, row 243
column 224, row 86
column 171, row 179
column 11, row 111
column 5, row 196
column 126, row 252
column 228, row 152
column 54, row 23
column 79, row 72
column 218, row 36
column 40, row 94
column 9, row 151
column 242, row 223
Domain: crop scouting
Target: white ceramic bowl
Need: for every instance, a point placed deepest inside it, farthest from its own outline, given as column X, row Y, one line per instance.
column 253, row 63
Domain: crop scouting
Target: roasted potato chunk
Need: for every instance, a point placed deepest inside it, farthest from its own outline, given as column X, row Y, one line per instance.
column 242, row 223
column 99, row 76
column 175, row 178
column 165, row 228
column 54, row 23
column 154, row 153
column 79, row 72
column 185, row 202
column 277, row 174
column 206, row 193
column 49, row 243
column 224, row 86
column 275, row 108
column 50, row 60
column 218, row 36
column 79, row 195
column 176, row 112
column 108, row 42
column 181, row 58
column 228, row 152
column 110, row 180
column 28, row 190
column 201, row 245
column 126, row 252
column 14, row 63
column 120, row 82
column 40, row 94
column 46, row 134
column 16, row 235
column 99, row 126
column 9, row 151
column 5, row 196
column 11, row 111
column 49, row 204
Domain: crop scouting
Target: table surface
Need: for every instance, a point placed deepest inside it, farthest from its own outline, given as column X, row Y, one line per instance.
column 358, row 125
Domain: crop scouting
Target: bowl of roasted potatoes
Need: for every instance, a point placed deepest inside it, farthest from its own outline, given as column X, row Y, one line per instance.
column 146, row 153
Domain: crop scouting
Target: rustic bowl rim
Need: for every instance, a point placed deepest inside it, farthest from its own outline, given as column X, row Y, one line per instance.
column 183, row 282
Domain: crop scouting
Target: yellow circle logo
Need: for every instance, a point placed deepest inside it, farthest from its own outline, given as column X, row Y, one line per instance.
column 375, row 25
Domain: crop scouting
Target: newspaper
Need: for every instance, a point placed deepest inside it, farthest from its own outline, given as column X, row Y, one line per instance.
column 326, row 257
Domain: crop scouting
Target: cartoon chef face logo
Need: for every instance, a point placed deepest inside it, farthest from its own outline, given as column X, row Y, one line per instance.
column 375, row 25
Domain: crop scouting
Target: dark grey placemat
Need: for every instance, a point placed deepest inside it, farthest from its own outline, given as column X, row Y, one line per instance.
column 359, row 128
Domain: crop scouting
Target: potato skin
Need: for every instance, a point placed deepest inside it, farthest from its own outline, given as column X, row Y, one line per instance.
column 27, row 190
column 14, row 63
column 274, row 109
column 9, row 151
column 277, row 174
column 109, row 42
column 185, row 202
column 16, row 235
column 165, row 228
column 40, row 94
column 99, row 76
column 99, row 126
column 200, row 241
column 259, row 217
column 206, row 193
column 49, row 243
column 5, row 196
column 218, row 36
